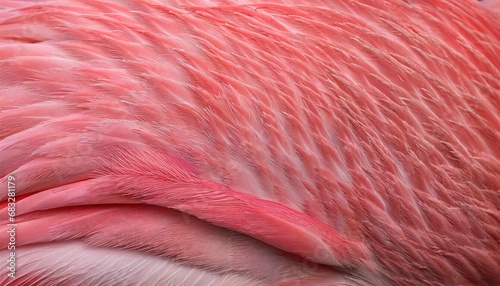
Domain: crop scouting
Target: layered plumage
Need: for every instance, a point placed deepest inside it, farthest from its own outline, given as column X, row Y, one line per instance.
column 251, row 142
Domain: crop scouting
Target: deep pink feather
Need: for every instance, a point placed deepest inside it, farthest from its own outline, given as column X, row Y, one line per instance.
column 295, row 142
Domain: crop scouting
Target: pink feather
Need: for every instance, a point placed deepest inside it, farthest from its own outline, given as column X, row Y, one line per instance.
column 240, row 142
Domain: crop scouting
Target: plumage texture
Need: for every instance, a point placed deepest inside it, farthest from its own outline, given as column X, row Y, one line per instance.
column 260, row 142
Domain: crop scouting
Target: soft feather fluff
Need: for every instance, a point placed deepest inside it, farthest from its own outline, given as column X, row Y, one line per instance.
column 251, row 142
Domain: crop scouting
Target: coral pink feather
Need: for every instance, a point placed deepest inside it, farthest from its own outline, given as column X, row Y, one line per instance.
column 250, row 142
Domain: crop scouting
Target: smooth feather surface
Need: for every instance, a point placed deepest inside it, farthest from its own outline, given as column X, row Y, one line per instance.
column 75, row 263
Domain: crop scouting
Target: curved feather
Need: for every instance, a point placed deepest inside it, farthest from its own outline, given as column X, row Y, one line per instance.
column 340, row 142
